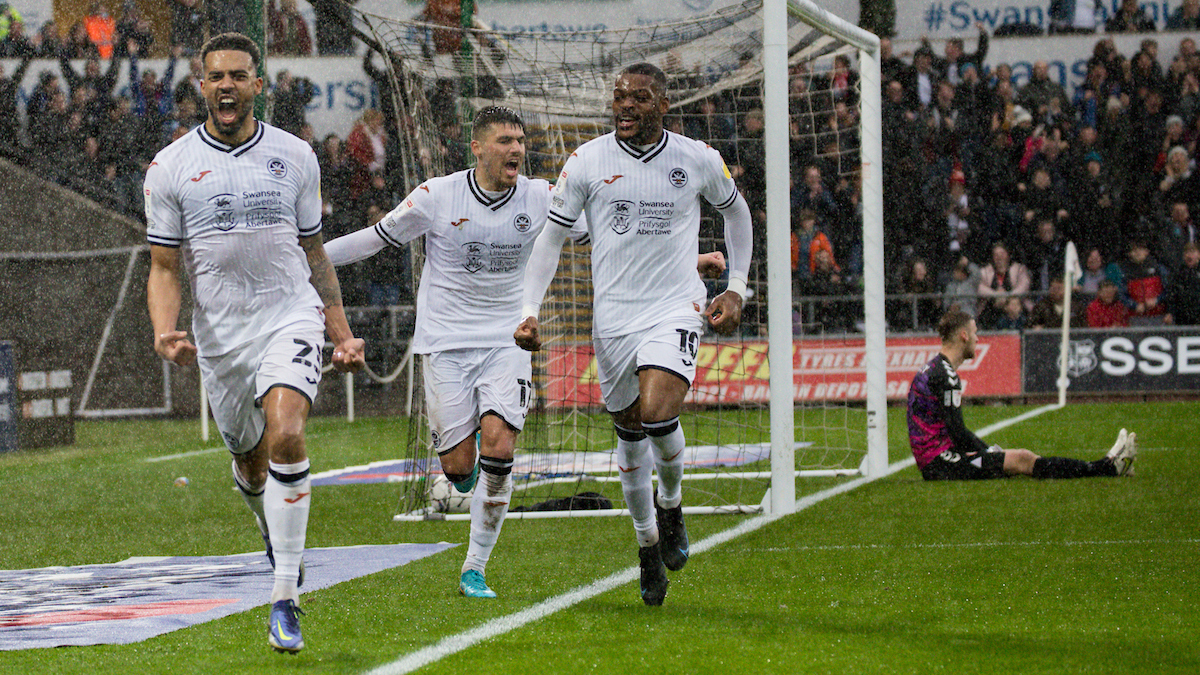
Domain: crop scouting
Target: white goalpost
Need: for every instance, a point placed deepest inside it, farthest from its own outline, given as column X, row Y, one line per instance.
column 788, row 397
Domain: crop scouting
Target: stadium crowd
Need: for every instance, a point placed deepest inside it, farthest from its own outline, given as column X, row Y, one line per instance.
column 984, row 180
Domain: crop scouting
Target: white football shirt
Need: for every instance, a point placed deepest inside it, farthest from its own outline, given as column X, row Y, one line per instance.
column 476, row 247
column 236, row 214
column 643, row 211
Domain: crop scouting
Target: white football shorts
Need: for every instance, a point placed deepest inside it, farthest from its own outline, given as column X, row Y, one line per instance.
column 463, row 385
column 236, row 382
column 670, row 346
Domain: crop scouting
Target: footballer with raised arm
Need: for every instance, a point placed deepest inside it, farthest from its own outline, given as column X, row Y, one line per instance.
column 640, row 189
column 235, row 203
column 945, row 449
column 479, row 227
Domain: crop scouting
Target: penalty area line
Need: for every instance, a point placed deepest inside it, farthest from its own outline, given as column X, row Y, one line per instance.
column 505, row 624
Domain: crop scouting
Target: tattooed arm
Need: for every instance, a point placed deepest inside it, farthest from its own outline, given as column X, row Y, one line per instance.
column 347, row 349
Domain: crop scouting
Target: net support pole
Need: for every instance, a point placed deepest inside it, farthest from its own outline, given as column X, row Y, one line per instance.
column 779, row 273
column 871, row 146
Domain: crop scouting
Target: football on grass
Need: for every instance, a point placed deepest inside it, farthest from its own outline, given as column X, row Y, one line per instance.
column 443, row 498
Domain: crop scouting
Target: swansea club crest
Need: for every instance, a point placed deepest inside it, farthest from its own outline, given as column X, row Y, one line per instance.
column 621, row 214
column 1081, row 358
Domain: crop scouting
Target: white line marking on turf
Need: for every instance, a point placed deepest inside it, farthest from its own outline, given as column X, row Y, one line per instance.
column 499, row 626
column 979, row 544
column 181, row 455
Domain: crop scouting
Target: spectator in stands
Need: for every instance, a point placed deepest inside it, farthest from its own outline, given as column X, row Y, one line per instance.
column 39, row 99
column 1091, row 96
column 289, row 30
column 48, row 40
column 962, row 290
column 1180, row 182
column 814, row 195
column 1130, row 18
column 893, row 68
column 1046, row 255
column 942, row 135
column 1182, row 297
column 1107, row 311
column 918, row 313
column 1185, row 17
column 1040, row 200
column 995, row 185
column 1145, row 73
column 333, row 23
column 78, row 44
column 1187, row 103
column 949, row 68
column 10, row 88
column 189, row 88
column 227, row 16
column 953, row 224
column 1001, row 278
column 132, row 27
column 1141, row 280
column 454, row 148
column 101, row 29
column 336, row 169
column 826, row 281
column 920, row 82
column 1036, row 95
column 102, row 85
column 48, row 130
column 807, row 240
column 151, row 99
column 187, row 25
column 1177, row 231
column 291, row 96
column 1093, row 273
column 1048, row 312
column 16, row 44
column 1073, row 16
column 1095, row 205
column 367, row 148
column 1013, row 317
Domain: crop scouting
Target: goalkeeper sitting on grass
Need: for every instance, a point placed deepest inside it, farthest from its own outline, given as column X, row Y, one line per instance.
column 946, row 450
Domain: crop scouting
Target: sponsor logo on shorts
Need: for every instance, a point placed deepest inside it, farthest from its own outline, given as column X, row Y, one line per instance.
column 231, row 441
column 277, row 167
column 678, row 177
column 437, row 439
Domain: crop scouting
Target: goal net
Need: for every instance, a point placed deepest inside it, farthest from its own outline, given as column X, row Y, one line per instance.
column 561, row 84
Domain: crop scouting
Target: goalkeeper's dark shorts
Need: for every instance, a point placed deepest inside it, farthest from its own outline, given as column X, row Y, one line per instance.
column 974, row 465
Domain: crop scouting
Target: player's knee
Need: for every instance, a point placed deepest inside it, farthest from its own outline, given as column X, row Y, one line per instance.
column 286, row 444
column 1019, row 461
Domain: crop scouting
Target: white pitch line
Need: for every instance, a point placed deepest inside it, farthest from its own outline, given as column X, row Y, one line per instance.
column 505, row 624
column 978, row 544
column 181, row 455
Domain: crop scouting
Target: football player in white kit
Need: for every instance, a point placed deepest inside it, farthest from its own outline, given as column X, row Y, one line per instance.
column 236, row 204
column 479, row 227
column 639, row 188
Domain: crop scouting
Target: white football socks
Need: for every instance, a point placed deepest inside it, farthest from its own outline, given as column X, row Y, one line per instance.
column 489, row 506
column 286, row 502
column 668, row 441
column 253, row 499
column 634, row 463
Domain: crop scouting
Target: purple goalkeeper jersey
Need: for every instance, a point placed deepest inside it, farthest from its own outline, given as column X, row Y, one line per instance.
column 935, row 422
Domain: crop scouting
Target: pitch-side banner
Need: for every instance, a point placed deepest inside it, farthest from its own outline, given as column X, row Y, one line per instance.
column 823, row 370
column 1130, row 359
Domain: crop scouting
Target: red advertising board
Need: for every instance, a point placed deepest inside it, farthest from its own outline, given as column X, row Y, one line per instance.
column 823, row 370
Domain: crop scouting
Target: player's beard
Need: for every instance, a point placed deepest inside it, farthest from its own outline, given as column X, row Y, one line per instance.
column 243, row 111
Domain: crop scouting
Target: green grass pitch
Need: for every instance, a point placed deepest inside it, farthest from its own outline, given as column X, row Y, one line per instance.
column 897, row 576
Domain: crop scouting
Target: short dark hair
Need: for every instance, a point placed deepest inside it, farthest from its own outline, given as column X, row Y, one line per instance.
column 234, row 42
column 952, row 322
column 493, row 115
column 643, row 68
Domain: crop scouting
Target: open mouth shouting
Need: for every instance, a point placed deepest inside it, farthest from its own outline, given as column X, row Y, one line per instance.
column 228, row 112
